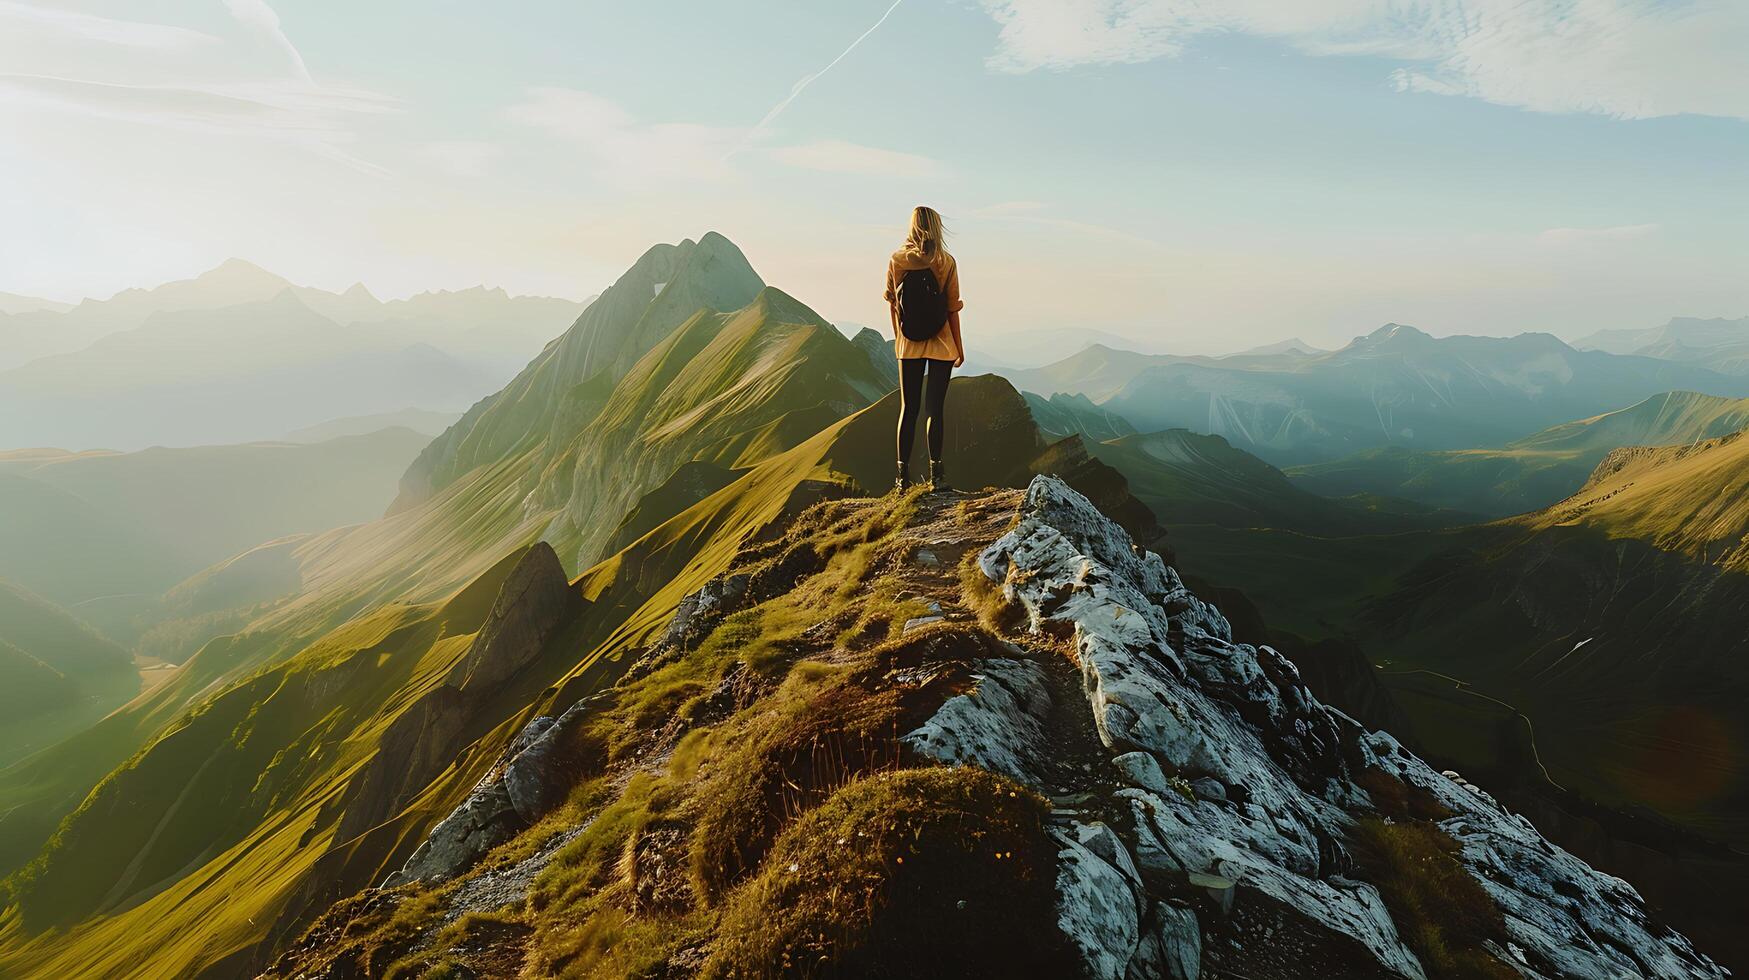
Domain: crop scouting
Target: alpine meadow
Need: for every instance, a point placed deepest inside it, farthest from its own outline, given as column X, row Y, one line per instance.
column 908, row 488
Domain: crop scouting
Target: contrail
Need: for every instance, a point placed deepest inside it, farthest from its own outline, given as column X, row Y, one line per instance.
column 256, row 14
column 805, row 81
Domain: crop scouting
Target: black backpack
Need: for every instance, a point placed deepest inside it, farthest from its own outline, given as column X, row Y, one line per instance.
column 922, row 305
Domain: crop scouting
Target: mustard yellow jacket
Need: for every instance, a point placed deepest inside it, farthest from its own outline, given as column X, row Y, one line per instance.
column 940, row 347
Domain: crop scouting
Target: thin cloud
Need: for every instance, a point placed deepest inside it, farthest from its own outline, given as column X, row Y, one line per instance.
column 841, row 157
column 173, row 77
column 1614, row 233
column 807, row 80
column 620, row 145
column 1622, row 58
column 105, row 30
column 462, row 158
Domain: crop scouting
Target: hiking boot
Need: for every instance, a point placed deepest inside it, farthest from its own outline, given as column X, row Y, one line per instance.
column 937, row 476
column 903, row 483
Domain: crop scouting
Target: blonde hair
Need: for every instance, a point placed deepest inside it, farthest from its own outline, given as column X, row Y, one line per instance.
column 927, row 232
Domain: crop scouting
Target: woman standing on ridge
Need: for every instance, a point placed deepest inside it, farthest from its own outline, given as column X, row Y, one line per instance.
column 923, row 296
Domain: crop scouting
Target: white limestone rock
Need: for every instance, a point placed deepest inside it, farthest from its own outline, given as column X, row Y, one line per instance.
column 998, row 725
column 1236, row 773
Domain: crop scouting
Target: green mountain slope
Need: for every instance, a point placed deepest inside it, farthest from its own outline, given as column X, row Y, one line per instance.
column 1529, row 473
column 56, row 673
column 28, row 686
column 1063, row 415
column 304, row 813
column 52, row 635
column 565, row 384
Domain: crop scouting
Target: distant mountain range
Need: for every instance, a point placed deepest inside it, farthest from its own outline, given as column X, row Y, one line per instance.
column 13, row 303
column 422, row 421
column 1394, row 387
column 1718, row 344
column 115, row 529
column 239, row 354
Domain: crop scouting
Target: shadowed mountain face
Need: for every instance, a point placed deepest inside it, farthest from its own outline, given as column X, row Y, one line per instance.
column 1529, row 473
column 1599, row 618
column 1394, row 387
column 1198, row 479
column 1064, row 415
column 1586, row 657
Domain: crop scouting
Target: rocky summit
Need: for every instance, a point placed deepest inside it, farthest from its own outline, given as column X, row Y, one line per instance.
column 974, row 734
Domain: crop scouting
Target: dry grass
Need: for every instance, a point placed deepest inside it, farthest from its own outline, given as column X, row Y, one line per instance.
column 796, row 755
column 1441, row 911
column 920, row 872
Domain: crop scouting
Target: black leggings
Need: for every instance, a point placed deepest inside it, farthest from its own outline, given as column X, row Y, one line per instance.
column 932, row 402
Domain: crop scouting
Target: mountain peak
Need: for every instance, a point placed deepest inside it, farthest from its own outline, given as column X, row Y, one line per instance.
column 781, row 306
column 235, row 270
column 1398, row 331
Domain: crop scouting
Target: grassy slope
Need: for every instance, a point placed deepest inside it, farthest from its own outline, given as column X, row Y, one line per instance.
column 28, row 686
column 58, row 674
column 1691, row 499
column 563, row 388
column 257, row 865
column 813, row 729
column 444, row 541
column 738, row 379
column 1529, row 473
column 427, row 551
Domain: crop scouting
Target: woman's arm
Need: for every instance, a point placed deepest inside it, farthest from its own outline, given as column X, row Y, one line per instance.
column 953, row 323
column 892, row 303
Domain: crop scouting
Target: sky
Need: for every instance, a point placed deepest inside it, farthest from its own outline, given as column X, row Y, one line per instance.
column 1197, row 175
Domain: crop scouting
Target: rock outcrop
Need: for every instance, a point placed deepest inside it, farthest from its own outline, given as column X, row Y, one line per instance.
column 534, row 601
column 529, row 781
column 533, row 604
column 1225, row 785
